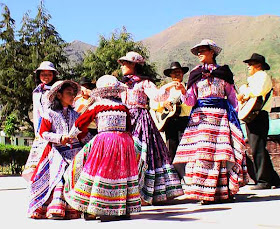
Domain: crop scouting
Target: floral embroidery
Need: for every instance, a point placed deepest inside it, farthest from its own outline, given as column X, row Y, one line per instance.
column 213, row 89
column 111, row 121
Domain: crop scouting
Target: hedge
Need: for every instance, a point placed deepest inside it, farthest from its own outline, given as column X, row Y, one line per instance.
column 14, row 156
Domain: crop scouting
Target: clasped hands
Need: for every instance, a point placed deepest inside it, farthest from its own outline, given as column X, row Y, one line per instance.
column 66, row 140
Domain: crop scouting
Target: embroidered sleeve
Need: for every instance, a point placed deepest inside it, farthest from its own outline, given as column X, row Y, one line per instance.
column 190, row 98
column 83, row 122
column 37, row 110
column 47, row 134
column 231, row 95
column 153, row 92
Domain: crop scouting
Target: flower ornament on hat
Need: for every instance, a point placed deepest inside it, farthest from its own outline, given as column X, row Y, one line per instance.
column 207, row 42
column 57, row 86
column 132, row 57
column 46, row 65
column 108, row 86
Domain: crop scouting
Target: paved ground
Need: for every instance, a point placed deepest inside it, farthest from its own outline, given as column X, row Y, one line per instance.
column 252, row 209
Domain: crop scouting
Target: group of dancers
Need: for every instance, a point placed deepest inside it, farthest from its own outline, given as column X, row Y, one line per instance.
column 126, row 164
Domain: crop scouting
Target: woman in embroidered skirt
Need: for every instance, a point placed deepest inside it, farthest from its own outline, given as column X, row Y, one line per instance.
column 211, row 153
column 45, row 76
column 158, row 180
column 47, row 183
column 102, row 179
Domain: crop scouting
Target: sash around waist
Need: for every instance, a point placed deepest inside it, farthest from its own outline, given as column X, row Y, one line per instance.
column 213, row 102
column 223, row 104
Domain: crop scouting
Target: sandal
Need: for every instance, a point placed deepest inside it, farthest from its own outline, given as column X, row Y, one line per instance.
column 55, row 216
column 207, row 202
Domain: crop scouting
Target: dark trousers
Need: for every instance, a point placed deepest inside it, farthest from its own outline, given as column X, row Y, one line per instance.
column 173, row 129
column 257, row 132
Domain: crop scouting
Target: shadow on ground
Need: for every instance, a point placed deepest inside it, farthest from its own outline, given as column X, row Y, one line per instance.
column 173, row 214
column 255, row 198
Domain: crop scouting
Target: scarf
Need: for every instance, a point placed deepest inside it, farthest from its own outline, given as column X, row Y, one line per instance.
column 132, row 79
column 210, row 70
column 41, row 88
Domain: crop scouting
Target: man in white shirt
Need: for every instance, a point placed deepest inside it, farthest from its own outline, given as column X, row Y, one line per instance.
column 259, row 84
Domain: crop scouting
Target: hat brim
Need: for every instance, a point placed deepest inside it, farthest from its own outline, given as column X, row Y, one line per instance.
column 53, row 91
column 124, row 58
column 106, row 92
column 216, row 49
column 46, row 69
column 167, row 72
column 265, row 65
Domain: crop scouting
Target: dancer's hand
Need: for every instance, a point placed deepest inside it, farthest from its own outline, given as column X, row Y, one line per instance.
column 168, row 86
column 66, row 140
column 180, row 87
column 168, row 105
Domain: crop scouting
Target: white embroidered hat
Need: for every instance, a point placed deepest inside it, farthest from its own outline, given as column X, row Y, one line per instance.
column 207, row 42
column 57, row 86
column 108, row 86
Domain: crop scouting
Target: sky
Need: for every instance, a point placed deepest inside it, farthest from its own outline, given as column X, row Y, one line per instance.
column 86, row 20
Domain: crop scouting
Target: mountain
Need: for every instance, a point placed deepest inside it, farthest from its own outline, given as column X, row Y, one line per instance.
column 239, row 36
column 76, row 51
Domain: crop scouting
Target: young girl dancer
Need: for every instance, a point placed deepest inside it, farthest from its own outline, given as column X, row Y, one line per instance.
column 102, row 180
column 211, row 152
column 47, row 183
column 158, row 179
column 45, row 77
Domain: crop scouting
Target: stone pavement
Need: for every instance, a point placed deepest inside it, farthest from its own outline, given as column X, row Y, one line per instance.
column 252, row 209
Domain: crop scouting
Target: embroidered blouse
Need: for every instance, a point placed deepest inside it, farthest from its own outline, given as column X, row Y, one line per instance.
column 138, row 93
column 210, row 87
column 109, row 115
column 55, row 124
column 40, row 104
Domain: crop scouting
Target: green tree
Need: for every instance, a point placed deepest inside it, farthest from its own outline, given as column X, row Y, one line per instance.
column 9, row 81
column 11, row 125
column 104, row 59
column 37, row 41
column 42, row 40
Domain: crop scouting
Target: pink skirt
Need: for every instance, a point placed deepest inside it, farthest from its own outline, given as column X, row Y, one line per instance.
column 103, row 177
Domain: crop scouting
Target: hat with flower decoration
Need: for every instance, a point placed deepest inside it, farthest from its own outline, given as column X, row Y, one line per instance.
column 108, row 86
column 132, row 57
column 58, row 85
column 207, row 42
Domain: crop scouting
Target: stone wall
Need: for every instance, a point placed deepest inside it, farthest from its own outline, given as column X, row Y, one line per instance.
column 273, row 146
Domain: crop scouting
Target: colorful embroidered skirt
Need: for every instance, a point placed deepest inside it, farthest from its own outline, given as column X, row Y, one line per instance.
column 158, row 180
column 103, row 179
column 47, row 184
column 33, row 159
column 212, row 152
